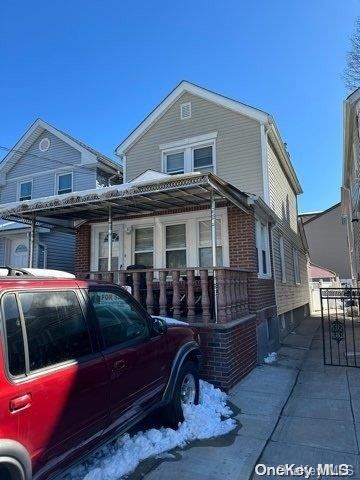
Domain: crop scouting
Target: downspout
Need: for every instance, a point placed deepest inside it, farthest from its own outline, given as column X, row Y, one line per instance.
column 265, row 162
column 110, row 231
column 32, row 243
column 213, row 246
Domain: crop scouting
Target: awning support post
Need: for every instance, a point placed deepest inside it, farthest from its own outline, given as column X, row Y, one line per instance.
column 110, row 242
column 32, row 242
column 213, row 245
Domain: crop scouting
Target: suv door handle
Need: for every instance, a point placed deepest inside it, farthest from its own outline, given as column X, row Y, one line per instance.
column 20, row 403
column 119, row 365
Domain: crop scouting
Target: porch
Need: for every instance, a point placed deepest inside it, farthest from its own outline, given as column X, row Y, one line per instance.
column 196, row 295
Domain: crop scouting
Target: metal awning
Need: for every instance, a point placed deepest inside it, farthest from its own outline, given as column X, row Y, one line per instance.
column 127, row 200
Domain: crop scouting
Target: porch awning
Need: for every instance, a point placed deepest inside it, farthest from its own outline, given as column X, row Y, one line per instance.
column 127, row 199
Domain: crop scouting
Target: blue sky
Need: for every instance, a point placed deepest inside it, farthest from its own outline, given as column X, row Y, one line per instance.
column 96, row 69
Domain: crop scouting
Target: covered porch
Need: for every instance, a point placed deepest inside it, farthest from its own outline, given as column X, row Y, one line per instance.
column 165, row 239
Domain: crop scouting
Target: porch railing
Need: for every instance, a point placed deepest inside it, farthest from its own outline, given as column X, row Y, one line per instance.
column 186, row 293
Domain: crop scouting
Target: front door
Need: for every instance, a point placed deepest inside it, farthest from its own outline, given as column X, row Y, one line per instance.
column 101, row 249
column 19, row 252
column 137, row 359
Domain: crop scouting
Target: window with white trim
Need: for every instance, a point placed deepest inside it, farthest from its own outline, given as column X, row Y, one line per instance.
column 205, row 243
column 25, row 190
column 297, row 277
column 144, row 246
column 263, row 249
column 282, row 259
column 64, row 183
column 175, row 245
column 174, row 163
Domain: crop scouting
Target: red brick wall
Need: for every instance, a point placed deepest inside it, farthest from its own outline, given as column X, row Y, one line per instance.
column 242, row 251
column 82, row 248
column 228, row 352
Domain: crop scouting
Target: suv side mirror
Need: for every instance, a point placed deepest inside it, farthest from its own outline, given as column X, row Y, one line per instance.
column 159, row 325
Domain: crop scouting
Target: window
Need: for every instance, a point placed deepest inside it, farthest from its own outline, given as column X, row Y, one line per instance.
column 14, row 336
column 144, row 246
column 203, row 159
column 104, row 251
column 297, row 278
column 55, row 327
column 262, row 249
column 175, row 163
column 25, row 190
column 64, row 183
column 205, row 248
column 175, row 240
column 282, row 259
column 119, row 319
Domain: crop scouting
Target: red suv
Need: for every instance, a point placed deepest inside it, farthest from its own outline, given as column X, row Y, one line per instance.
column 82, row 362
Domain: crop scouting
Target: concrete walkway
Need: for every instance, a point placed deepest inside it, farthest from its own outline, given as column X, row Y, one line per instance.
column 293, row 411
column 320, row 422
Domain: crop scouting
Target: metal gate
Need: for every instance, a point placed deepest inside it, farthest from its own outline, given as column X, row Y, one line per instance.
column 340, row 320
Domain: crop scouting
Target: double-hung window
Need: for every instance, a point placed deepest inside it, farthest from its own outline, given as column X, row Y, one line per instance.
column 263, row 249
column 297, row 278
column 144, row 246
column 64, row 183
column 205, row 246
column 25, row 190
column 196, row 154
column 175, row 244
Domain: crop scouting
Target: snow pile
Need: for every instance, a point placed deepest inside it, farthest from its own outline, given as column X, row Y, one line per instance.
column 170, row 321
column 272, row 357
column 211, row 418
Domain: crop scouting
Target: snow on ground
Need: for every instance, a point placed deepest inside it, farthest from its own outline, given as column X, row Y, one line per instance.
column 170, row 321
column 211, row 418
column 272, row 357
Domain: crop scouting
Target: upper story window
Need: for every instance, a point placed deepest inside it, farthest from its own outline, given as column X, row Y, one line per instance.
column 25, row 190
column 196, row 154
column 263, row 249
column 64, row 183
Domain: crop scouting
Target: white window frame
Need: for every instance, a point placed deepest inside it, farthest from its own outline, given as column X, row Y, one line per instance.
column 57, row 181
column 188, row 146
column 258, row 224
column 134, row 251
column 282, row 259
column 296, row 265
column 218, row 244
column 30, row 180
column 169, row 224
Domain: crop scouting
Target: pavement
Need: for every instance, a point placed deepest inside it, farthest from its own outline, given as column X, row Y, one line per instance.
column 295, row 410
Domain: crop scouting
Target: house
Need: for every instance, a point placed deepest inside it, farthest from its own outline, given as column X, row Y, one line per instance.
column 207, row 221
column 326, row 234
column 350, row 193
column 46, row 162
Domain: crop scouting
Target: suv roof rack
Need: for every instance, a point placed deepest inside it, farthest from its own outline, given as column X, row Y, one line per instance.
column 8, row 271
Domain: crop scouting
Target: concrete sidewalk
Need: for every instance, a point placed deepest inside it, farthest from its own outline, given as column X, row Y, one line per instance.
column 320, row 422
column 258, row 402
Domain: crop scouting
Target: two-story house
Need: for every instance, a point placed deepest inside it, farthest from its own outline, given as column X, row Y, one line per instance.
column 207, row 221
column 46, row 162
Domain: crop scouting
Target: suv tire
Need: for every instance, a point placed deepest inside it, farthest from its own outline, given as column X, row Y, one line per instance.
column 186, row 391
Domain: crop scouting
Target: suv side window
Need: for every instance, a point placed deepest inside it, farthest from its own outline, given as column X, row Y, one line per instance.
column 14, row 335
column 55, row 327
column 119, row 318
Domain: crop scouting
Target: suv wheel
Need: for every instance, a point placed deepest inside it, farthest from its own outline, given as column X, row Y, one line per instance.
column 186, row 392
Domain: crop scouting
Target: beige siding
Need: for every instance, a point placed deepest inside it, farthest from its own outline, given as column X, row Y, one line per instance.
column 238, row 144
column 282, row 196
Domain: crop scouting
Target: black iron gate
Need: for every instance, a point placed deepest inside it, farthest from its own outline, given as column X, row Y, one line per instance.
column 340, row 320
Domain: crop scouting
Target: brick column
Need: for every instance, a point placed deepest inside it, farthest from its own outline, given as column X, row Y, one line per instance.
column 82, row 249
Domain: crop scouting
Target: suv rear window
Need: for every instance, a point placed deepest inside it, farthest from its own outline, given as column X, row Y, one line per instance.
column 55, row 327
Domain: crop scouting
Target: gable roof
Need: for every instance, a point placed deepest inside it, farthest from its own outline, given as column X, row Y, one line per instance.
column 315, row 271
column 89, row 155
column 319, row 214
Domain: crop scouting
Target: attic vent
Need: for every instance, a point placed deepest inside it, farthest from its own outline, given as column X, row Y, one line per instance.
column 185, row 110
column 44, row 145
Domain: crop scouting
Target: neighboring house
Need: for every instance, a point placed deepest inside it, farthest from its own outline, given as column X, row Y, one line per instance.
column 350, row 198
column 199, row 157
column 46, row 162
column 321, row 277
column 326, row 234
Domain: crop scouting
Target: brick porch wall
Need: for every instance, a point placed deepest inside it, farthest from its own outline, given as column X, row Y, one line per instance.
column 83, row 248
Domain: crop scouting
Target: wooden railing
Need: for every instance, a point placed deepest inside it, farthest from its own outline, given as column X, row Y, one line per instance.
column 186, row 293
